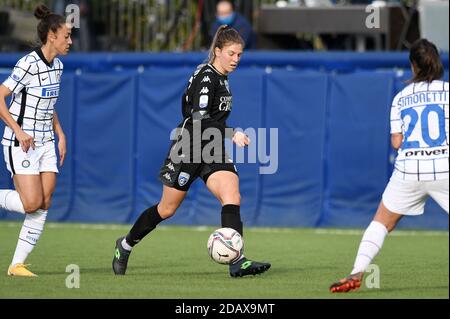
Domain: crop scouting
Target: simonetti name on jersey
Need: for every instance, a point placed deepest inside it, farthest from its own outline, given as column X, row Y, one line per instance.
column 421, row 98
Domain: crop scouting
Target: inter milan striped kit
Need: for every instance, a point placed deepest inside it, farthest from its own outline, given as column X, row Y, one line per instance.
column 35, row 85
column 420, row 113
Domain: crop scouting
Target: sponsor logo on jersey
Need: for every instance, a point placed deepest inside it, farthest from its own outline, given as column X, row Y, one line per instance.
column 225, row 103
column 442, row 151
column 183, row 178
column 204, row 99
column 52, row 91
column 206, row 79
column 207, row 71
column 204, row 90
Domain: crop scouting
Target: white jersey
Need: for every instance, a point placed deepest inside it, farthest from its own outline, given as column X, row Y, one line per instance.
column 35, row 86
column 420, row 112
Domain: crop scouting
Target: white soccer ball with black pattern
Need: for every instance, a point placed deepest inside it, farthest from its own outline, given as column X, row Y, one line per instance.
column 225, row 245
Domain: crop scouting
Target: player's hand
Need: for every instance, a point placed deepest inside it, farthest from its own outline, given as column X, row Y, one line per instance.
column 240, row 139
column 62, row 148
column 25, row 140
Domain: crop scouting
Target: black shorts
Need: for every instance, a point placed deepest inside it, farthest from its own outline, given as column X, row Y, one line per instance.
column 181, row 175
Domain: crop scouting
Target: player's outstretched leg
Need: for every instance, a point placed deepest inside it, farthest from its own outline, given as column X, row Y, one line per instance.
column 120, row 259
column 351, row 282
column 145, row 223
column 245, row 267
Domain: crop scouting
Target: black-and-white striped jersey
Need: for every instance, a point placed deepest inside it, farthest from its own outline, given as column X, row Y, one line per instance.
column 35, row 85
column 421, row 113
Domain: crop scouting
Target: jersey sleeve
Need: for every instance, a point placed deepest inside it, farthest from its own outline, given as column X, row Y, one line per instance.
column 203, row 96
column 20, row 77
column 396, row 120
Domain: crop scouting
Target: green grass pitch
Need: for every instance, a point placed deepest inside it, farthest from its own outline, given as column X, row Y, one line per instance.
column 172, row 262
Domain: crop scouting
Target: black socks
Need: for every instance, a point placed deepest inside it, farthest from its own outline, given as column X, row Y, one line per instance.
column 231, row 217
column 148, row 221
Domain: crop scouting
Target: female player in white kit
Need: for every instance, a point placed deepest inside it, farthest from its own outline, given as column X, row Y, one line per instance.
column 419, row 128
column 28, row 140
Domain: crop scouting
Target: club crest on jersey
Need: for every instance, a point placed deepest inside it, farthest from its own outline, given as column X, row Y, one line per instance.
column 26, row 163
column 183, row 178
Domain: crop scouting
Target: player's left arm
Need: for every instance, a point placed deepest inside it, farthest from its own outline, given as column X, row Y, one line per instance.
column 62, row 146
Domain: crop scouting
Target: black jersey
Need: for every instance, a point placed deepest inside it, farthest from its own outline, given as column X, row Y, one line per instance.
column 207, row 98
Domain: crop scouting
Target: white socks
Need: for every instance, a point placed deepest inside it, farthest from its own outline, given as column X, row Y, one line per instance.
column 29, row 235
column 371, row 244
column 10, row 200
column 125, row 245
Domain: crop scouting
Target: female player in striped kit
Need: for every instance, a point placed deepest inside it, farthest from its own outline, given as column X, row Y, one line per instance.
column 419, row 128
column 28, row 140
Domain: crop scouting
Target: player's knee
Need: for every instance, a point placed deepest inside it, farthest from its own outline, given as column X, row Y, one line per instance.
column 32, row 205
column 390, row 226
column 47, row 202
column 167, row 210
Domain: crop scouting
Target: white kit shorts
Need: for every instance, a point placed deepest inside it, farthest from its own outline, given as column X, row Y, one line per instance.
column 41, row 159
column 409, row 197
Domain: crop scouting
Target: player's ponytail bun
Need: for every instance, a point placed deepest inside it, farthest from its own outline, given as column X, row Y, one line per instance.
column 424, row 56
column 42, row 12
column 49, row 22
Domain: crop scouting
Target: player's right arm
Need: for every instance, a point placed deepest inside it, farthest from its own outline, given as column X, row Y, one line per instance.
column 24, row 139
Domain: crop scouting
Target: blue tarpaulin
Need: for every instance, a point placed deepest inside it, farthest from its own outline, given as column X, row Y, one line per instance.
column 331, row 112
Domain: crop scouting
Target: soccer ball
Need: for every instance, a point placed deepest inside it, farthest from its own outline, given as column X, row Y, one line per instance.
column 225, row 245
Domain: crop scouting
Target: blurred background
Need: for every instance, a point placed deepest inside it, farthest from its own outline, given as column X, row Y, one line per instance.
column 322, row 72
column 182, row 25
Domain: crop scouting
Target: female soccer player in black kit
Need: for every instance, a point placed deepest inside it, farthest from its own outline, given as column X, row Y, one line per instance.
column 206, row 105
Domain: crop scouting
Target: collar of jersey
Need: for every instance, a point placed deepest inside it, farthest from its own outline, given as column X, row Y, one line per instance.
column 217, row 71
column 41, row 55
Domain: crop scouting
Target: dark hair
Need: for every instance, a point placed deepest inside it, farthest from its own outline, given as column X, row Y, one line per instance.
column 426, row 61
column 49, row 22
column 224, row 35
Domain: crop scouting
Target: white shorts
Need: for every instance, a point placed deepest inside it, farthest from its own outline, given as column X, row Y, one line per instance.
column 41, row 159
column 409, row 197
